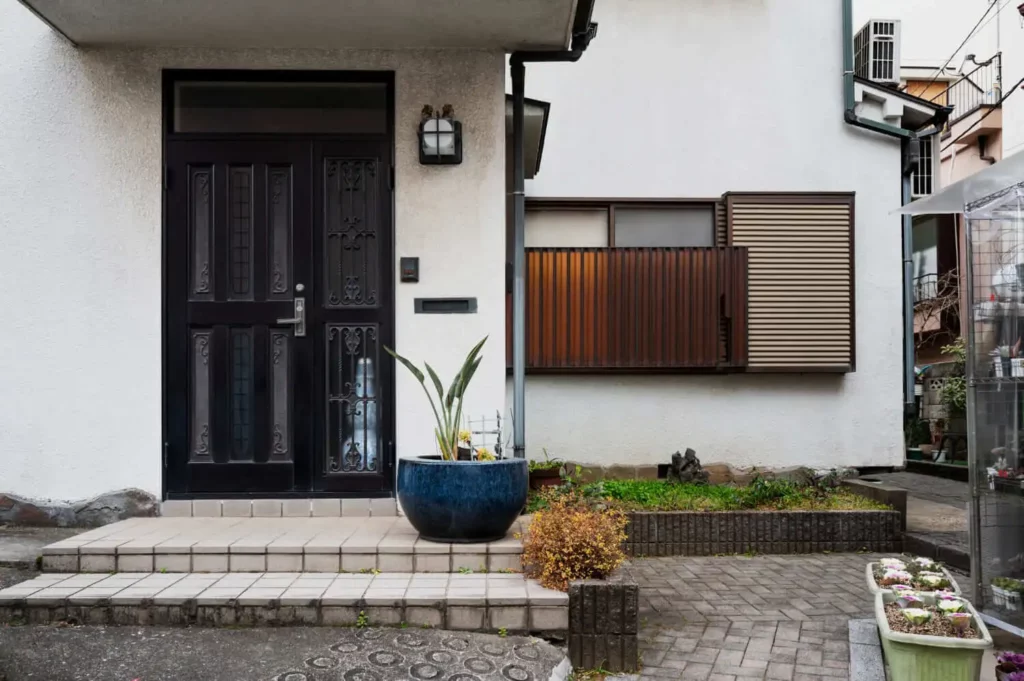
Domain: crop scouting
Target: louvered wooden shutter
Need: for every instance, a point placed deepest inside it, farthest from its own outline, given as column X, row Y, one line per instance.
column 801, row 297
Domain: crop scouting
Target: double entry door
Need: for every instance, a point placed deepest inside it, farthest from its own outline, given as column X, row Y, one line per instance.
column 278, row 305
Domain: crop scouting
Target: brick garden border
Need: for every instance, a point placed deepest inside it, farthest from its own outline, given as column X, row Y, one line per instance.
column 694, row 533
column 604, row 620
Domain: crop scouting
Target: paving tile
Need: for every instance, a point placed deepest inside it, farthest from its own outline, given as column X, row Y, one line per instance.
column 219, row 595
column 266, row 508
column 176, row 509
column 260, row 596
column 383, row 507
column 296, row 508
column 92, row 595
column 326, row 508
column 206, row 508
column 355, row 508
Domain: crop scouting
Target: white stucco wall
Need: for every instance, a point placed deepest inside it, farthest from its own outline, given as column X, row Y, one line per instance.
column 691, row 100
column 80, row 225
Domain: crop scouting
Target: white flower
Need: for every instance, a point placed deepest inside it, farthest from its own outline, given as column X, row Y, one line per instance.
column 924, row 562
column 893, row 564
column 916, row 615
column 896, row 577
column 933, row 581
column 948, row 605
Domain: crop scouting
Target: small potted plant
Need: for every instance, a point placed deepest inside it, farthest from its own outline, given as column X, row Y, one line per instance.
column 927, row 637
column 546, row 473
column 1010, row 666
column 446, row 497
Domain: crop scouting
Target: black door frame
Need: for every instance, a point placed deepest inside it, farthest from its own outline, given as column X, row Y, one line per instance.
column 388, row 406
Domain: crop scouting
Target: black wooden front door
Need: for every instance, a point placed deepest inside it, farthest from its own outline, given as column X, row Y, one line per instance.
column 278, row 257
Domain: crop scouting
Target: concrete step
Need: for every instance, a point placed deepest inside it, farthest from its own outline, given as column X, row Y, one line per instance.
column 462, row 602
column 322, row 544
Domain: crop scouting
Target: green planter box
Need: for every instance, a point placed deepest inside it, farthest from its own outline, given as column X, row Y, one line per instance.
column 874, row 588
column 913, row 657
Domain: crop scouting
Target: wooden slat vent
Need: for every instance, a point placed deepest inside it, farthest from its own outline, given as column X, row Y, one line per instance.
column 801, row 302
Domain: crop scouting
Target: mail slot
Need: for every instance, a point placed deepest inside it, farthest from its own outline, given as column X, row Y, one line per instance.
column 445, row 305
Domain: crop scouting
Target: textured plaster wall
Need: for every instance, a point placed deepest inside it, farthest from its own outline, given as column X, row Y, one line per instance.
column 80, row 226
column 742, row 96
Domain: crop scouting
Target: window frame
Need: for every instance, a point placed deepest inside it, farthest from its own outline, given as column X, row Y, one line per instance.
column 609, row 205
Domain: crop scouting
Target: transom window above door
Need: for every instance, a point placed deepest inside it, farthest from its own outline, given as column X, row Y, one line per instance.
column 280, row 107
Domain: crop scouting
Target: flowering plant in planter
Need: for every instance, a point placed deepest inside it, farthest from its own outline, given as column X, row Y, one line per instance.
column 891, row 577
column 1010, row 665
column 917, row 616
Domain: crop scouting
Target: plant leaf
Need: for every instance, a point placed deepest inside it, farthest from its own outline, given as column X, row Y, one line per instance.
column 435, row 380
column 408, row 365
column 454, row 390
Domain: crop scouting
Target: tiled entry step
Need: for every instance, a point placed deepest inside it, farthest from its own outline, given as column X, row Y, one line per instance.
column 188, row 544
column 467, row 602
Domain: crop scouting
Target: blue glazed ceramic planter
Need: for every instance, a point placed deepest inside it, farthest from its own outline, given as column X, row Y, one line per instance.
column 462, row 501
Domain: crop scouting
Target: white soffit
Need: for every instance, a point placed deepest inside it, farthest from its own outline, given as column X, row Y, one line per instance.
column 357, row 24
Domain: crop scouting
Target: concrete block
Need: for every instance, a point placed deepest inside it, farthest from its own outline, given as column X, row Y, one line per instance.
column 510, row 617
column 295, row 508
column 383, row 508
column 176, row 509
column 326, row 508
column 210, row 562
column 284, row 562
column 322, row 562
column 236, row 508
column 172, row 562
column 355, row 508
column 206, row 508
column 472, row 561
column 504, row 561
column 354, row 562
column 544, row 618
column 419, row 616
column 136, row 563
column 338, row 616
column 97, row 562
column 266, row 508
column 427, row 562
column 61, row 563
column 465, row 617
column 395, row 562
column 384, row 616
column 247, row 562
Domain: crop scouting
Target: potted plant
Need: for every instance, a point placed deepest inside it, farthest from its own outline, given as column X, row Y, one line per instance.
column 546, row 473
column 451, row 500
column 927, row 637
column 1010, row 666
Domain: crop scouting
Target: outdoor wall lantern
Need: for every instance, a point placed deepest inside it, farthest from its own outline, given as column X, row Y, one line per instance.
column 440, row 137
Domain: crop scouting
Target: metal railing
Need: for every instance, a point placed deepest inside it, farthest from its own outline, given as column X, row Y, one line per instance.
column 926, row 287
column 976, row 88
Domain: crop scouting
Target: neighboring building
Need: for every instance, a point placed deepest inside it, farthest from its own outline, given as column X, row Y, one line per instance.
column 710, row 265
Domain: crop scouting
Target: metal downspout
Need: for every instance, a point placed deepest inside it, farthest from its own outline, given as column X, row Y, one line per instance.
column 908, row 294
column 517, row 65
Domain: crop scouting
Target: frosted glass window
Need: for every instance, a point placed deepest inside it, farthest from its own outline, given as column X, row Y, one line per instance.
column 682, row 227
column 243, row 107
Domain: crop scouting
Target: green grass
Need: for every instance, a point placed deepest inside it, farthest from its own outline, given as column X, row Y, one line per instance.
column 762, row 494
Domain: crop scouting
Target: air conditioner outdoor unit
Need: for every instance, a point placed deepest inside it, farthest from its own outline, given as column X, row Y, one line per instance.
column 876, row 51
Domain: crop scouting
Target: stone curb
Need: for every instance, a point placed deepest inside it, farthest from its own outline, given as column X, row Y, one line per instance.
column 694, row 533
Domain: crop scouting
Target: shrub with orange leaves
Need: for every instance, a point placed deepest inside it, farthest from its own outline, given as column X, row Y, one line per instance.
column 571, row 540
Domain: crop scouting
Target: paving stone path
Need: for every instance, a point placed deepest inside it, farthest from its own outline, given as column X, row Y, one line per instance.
column 731, row 618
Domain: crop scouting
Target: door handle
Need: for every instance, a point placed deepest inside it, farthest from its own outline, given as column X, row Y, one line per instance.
column 299, row 320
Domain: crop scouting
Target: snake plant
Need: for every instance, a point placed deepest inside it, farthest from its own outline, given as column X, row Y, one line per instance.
column 448, row 408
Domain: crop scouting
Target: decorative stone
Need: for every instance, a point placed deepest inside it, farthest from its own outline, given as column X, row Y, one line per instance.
column 687, row 468
column 101, row 510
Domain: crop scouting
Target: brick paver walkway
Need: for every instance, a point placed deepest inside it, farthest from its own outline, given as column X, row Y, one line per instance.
column 733, row 618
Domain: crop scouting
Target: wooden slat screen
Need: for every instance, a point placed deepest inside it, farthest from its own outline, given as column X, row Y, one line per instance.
column 644, row 309
column 801, row 302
